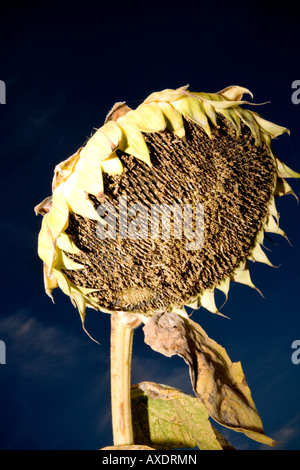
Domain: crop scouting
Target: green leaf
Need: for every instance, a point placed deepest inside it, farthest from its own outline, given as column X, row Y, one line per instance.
column 167, row 418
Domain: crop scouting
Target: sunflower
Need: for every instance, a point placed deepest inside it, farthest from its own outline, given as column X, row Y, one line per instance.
column 162, row 206
column 177, row 150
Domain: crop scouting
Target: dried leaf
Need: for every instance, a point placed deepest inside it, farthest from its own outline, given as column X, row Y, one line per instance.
column 219, row 383
column 167, row 418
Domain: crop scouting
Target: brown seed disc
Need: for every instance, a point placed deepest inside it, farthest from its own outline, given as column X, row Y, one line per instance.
column 233, row 180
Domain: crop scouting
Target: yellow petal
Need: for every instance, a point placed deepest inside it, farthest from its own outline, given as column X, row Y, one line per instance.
column 259, row 255
column 46, row 249
column 283, row 188
column 234, row 92
column 272, row 209
column 79, row 202
column 284, row 171
column 173, row 118
column 50, row 281
column 64, row 169
column 80, row 303
column 113, row 132
column 68, row 263
column 231, row 115
column 113, row 165
column 269, row 127
column 210, row 112
column 207, row 300
column 194, row 303
column 249, row 120
column 222, row 103
column 205, row 96
column 272, row 226
column 180, row 311
column 134, row 143
column 193, row 109
column 66, row 244
column 63, row 281
column 166, row 95
column 224, row 286
column 87, row 177
column 99, row 147
column 86, row 290
column 242, row 276
column 57, row 217
column 147, row 118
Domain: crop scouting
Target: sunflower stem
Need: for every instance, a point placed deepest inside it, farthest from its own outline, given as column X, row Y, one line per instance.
column 122, row 326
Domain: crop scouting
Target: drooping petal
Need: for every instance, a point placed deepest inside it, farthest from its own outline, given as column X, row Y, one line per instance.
column 269, row 127
column 232, row 116
column 223, row 103
column 242, row 275
column 194, row 110
column 257, row 254
column 166, row 95
column 210, row 112
column 194, row 303
column 234, row 92
column 46, row 249
column 173, row 118
column 58, row 215
column 272, row 209
column 249, row 120
column 43, row 207
column 50, row 281
column 134, row 143
column 66, row 244
column 112, row 165
column 207, row 300
column 283, row 188
column 272, row 226
column 147, row 118
column 113, row 132
column 284, row 171
column 79, row 202
column 64, row 169
column 224, row 286
column 87, row 177
column 69, row 264
column 98, row 147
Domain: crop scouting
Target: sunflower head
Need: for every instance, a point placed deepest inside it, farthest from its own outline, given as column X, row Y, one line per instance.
column 164, row 204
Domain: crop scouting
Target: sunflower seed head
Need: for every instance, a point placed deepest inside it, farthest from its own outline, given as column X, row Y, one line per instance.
column 179, row 147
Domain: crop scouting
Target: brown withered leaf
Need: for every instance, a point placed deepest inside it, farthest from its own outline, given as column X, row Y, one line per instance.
column 219, row 383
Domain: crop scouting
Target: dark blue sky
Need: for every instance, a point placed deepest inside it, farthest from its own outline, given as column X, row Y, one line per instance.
column 64, row 66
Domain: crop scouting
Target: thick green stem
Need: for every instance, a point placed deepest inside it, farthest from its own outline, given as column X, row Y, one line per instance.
column 122, row 327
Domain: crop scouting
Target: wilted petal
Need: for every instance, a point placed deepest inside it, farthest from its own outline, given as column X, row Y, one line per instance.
column 234, row 92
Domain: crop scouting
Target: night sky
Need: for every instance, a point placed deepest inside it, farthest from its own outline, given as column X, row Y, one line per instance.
column 64, row 66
